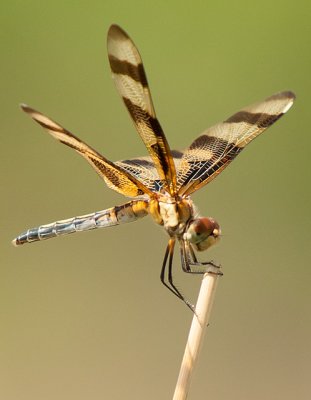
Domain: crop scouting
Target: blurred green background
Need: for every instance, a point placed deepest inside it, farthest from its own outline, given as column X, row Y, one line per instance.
column 85, row 316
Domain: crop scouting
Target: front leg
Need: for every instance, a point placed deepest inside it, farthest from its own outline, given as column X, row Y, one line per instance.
column 189, row 260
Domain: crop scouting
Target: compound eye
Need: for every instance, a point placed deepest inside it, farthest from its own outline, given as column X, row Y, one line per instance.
column 203, row 233
column 204, row 227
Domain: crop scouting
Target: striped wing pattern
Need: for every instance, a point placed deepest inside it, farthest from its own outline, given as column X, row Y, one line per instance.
column 212, row 152
column 115, row 178
column 131, row 82
column 173, row 173
column 144, row 170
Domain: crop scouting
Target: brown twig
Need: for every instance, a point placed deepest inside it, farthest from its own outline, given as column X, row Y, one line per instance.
column 196, row 333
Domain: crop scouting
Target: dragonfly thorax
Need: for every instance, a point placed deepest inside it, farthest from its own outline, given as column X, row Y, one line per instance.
column 173, row 214
column 202, row 233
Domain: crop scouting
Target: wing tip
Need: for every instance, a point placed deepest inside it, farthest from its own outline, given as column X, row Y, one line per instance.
column 34, row 114
column 290, row 94
column 115, row 32
column 25, row 107
column 287, row 97
column 286, row 94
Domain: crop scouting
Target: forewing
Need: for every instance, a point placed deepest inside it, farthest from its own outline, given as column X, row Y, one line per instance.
column 131, row 82
column 116, row 178
column 211, row 152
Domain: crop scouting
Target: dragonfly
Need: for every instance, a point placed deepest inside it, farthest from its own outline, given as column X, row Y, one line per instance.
column 160, row 184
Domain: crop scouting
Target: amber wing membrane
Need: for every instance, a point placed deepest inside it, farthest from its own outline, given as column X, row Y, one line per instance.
column 115, row 178
column 212, row 152
column 144, row 170
column 131, row 82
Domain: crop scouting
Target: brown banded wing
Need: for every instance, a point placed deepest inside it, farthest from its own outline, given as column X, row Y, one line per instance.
column 211, row 152
column 131, row 82
column 144, row 170
column 115, row 178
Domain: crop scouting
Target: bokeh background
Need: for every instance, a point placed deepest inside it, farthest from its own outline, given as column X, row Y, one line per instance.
column 85, row 316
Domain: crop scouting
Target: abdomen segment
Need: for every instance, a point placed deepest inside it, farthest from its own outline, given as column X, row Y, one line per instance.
column 127, row 212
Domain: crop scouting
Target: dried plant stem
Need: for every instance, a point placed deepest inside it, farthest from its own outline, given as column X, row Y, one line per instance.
column 196, row 333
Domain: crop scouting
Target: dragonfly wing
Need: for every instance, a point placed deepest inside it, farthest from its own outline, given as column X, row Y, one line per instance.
column 115, row 178
column 212, row 152
column 144, row 170
column 131, row 82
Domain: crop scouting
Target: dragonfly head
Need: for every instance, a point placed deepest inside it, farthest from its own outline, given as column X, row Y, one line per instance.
column 202, row 233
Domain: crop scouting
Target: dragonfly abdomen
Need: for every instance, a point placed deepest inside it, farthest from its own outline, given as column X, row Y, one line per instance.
column 127, row 212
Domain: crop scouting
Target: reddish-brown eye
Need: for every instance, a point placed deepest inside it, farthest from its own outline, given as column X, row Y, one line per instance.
column 202, row 233
column 205, row 226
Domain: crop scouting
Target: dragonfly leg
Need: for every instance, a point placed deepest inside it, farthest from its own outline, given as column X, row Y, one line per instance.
column 189, row 260
column 170, row 285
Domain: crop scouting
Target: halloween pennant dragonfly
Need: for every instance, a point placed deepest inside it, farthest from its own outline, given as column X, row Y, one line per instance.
column 159, row 184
